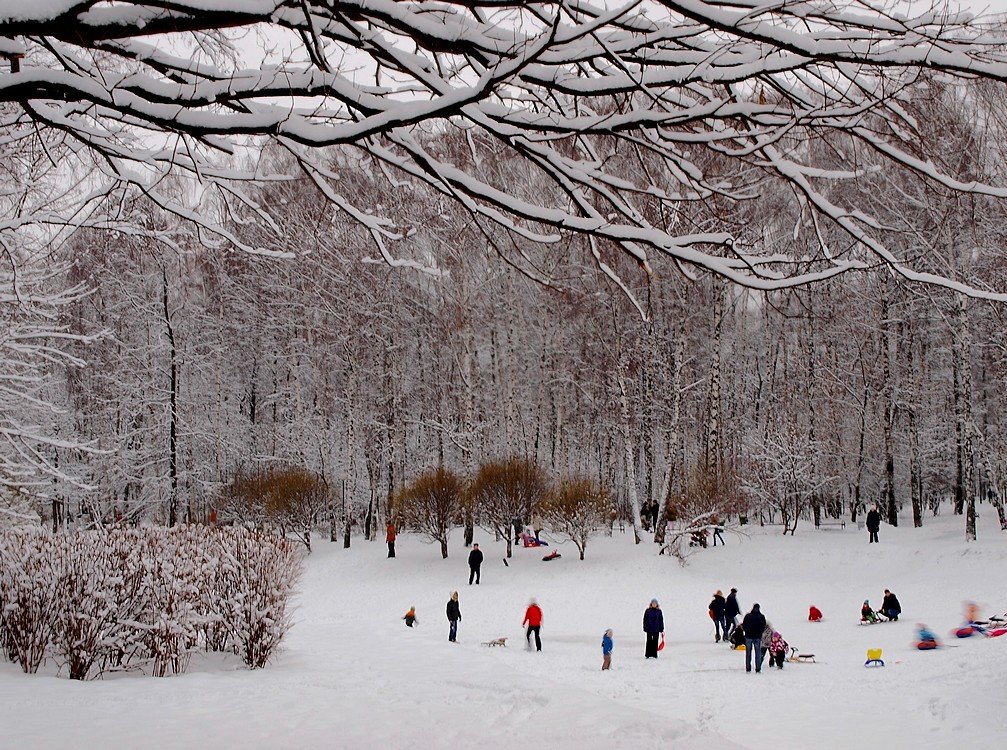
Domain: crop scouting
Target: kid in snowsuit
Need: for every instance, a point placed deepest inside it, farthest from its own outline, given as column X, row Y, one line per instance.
column 926, row 640
column 778, row 649
column 867, row 614
column 606, row 650
column 814, row 614
column 410, row 617
column 737, row 637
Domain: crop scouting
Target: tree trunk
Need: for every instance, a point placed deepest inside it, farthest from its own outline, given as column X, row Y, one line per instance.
column 172, row 408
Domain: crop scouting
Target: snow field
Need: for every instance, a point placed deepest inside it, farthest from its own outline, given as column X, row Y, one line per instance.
column 353, row 676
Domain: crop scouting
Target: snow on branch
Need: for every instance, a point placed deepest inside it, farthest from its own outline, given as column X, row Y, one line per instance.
column 629, row 115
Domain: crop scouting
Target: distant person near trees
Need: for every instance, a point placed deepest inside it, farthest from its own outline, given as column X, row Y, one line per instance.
column 533, row 619
column 873, row 523
column 754, row 625
column 718, row 608
column 454, row 616
column 732, row 610
column 653, row 626
column 718, row 531
column 390, row 538
column 475, row 563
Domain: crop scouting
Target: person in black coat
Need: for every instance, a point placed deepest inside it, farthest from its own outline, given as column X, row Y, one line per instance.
column 718, row 608
column 653, row 626
column 890, row 606
column 475, row 562
column 754, row 625
column 454, row 616
column 732, row 610
column 873, row 523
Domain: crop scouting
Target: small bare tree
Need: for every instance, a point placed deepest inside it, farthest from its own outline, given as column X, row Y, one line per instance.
column 290, row 497
column 709, row 496
column 577, row 508
column 430, row 504
column 505, row 491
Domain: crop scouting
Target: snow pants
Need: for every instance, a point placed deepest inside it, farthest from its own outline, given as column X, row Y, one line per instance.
column 652, row 639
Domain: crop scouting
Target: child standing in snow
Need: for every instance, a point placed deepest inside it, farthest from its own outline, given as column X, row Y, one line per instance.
column 410, row 617
column 778, row 649
column 606, row 650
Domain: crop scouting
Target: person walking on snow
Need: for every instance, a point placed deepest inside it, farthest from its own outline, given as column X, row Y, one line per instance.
column 732, row 610
column 537, row 526
column 778, row 649
column 533, row 619
column 653, row 626
column 718, row 531
column 454, row 616
column 754, row 625
column 717, row 609
column 410, row 617
column 390, row 538
column 873, row 523
column 606, row 650
column 475, row 562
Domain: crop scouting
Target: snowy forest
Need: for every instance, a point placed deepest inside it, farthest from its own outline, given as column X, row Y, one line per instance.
column 659, row 247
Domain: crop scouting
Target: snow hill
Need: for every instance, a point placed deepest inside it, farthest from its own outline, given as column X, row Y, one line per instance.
column 353, row 676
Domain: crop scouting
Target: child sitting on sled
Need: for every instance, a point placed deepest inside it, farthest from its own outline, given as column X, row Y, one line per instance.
column 867, row 614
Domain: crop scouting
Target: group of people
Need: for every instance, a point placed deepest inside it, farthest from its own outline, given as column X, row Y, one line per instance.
column 890, row 609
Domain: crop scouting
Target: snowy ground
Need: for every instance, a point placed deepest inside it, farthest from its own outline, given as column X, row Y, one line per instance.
column 352, row 676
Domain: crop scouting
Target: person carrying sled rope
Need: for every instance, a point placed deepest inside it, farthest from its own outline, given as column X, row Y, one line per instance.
column 533, row 619
column 890, row 606
column 718, row 608
column 754, row 625
column 606, row 650
column 454, row 616
column 411, row 618
column 653, row 626
column 475, row 563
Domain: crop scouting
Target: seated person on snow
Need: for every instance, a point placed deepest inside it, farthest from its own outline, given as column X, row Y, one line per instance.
column 926, row 639
column 737, row 637
column 814, row 614
column 867, row 614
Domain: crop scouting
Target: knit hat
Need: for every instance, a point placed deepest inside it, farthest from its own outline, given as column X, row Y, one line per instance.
column 654, row 601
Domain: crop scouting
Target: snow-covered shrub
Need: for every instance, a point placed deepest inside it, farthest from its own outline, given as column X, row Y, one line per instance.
column 261, row 571
column 99, row 598
column 29, row 583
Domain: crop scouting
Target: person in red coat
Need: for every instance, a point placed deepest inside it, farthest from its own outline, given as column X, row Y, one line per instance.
column 533, row 619
column 814, row 614
column 390, row 538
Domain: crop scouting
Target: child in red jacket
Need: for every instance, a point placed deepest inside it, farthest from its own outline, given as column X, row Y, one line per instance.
column 533, row 619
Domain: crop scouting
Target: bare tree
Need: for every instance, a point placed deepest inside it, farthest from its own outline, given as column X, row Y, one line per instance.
column 430, row 504
column 577, row 508
column 507, row 491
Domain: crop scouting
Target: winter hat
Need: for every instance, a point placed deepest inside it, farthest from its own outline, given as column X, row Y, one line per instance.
column 734, row 591
column 654, row 602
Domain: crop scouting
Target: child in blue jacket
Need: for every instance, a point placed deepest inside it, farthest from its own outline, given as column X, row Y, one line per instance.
column 606, row 650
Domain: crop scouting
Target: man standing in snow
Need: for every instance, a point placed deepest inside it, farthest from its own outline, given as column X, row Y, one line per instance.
column 475, row 561
column 653, row 626
column 533, row 619
column 454, row 616
column 754, row 625
column 731, row 611
column 873, row 523
column 390, row 538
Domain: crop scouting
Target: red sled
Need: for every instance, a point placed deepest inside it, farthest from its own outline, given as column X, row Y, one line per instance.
column 966, row 631
column 660, row 646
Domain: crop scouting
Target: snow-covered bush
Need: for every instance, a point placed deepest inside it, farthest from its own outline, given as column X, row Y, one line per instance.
column 261, row 572
column 97, row 599
column 29, row 582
